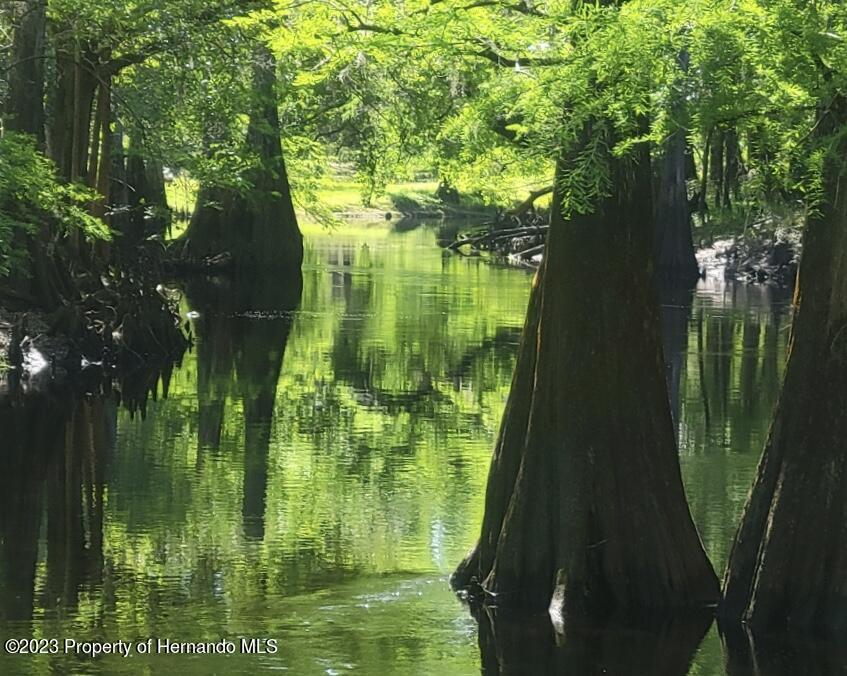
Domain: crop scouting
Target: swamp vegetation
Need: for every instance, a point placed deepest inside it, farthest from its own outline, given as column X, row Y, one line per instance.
column 239, row 414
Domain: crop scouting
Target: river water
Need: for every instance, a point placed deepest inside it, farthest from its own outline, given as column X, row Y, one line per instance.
column 312, row 475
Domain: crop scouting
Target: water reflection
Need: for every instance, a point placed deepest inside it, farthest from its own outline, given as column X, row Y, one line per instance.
column 241, row 336
column 516, row 644
column 314, row 474
column 57, row 451
column 780, row 655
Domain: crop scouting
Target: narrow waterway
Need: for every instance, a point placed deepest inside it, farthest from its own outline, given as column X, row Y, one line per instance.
column 311, row 473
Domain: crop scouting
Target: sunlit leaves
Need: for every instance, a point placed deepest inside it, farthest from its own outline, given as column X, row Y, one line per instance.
column 31, row 195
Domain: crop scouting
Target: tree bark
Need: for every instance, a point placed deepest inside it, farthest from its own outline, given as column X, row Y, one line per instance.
column 674, row 243
column 789, row 560
column 25, row 103
column 585, row 507
column 260, row 230
column 716, row 163
column 703, row 202
column 731, row 174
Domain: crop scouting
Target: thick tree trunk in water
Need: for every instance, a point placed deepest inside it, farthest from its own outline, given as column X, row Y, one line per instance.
column 585, row 507
column 148, row 205
column 789, row 560
column 210, row 231
column 25, row 103
column 259, row 230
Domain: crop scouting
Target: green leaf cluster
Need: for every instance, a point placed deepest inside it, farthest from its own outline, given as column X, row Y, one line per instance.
column 31, row 197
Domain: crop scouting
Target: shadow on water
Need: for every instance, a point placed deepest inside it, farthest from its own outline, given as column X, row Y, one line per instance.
column 512, row 644
column 58, row 445
column 241, row 335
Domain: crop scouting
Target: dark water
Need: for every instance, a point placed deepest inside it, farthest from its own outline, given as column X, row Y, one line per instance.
column 313, row 475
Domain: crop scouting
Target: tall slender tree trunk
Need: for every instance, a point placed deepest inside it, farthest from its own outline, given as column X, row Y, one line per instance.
column 789, row 561
column 716, row 163
column 702, row 201
column 674, row 243
column 585, row 507
column 732, row 172
column 24, row 110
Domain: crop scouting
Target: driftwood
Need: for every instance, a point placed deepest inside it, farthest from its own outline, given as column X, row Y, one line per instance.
column 517, row 235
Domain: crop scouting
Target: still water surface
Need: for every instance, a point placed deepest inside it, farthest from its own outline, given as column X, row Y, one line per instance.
column 314, row 474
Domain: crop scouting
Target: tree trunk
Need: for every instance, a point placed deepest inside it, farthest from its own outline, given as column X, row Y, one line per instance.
column 148, row 205
column 585, row 507
column 259, row 230
column 732, row 172
column 703, row 202
column 674, row 243
column 72, row 107
column 25, row 103
column 716, row 163
column 789, row 560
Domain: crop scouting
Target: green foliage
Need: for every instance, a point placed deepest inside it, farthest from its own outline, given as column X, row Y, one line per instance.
column 30, row 197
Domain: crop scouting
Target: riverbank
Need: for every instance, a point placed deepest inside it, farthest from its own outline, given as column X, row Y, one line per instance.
column 128, row 321
column 757, row 256
column 340, row 198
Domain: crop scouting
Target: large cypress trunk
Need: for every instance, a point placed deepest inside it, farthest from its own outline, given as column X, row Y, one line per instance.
column 585, row 507
column 260, row 230
column 273, row 237
column 789, row 560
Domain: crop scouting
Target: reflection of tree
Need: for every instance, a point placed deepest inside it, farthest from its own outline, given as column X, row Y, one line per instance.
column 56, row 449
column 75, row 504
column 739, row 371
column 33, row 434
column 243, row 330
column 747, row 654
column 676, row 304
column 214, row 360
column 728, row 391
column 512, row 644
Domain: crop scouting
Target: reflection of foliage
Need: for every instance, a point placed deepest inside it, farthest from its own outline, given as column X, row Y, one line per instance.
column 735, row 359
column 382, row 426
column 392, row 384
